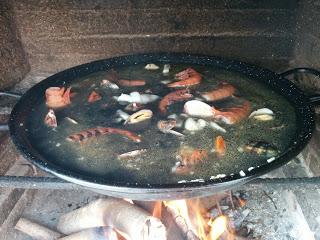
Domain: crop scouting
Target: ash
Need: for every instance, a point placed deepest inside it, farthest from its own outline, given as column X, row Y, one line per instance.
column 275, row 216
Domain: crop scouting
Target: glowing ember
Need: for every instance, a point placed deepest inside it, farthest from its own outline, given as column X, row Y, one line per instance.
column 241, row 202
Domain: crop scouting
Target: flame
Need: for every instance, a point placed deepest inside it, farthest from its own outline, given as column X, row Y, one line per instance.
column 193, row 215
column 157, row 210
column 218, row 227
column 180, row 206
column 128, row 200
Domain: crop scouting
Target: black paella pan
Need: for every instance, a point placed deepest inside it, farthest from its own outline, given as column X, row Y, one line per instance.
column 302, row 104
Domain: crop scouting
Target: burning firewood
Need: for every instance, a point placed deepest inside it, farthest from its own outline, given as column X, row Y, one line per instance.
column 193, row 219
column 101, row 233
column 179, row 211
column 128, row 219
column 158, row 210
column 36, row 231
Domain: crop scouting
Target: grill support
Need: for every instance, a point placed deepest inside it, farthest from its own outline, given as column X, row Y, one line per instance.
column 26, row 182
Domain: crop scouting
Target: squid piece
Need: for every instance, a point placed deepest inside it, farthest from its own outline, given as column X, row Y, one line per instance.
column 57, row 97
column 166, row 126
column 132, row 154
column 166, row 69
column 151, row 66
column 50, row 119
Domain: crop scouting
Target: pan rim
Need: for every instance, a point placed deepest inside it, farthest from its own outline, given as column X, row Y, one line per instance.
column 303, row 107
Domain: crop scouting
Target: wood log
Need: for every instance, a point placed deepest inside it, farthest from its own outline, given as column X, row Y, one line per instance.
column 36, row 231
column 181, row 222
column 101, row 233
column 173, row 231
column 130, row 220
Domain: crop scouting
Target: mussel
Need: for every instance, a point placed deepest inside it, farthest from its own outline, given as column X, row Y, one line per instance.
column 261, row 148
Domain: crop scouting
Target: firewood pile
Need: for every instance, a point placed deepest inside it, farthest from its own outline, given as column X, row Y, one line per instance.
column 120, row 219
column 107, row 218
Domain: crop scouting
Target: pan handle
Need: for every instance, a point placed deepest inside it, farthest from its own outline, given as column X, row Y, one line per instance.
column 314, row 99
column 4, row 127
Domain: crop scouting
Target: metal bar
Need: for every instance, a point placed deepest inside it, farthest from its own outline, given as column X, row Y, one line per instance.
column 56, row 183
column 10, row 94
column 36, row 183
column 307, row 183
column 4, row 127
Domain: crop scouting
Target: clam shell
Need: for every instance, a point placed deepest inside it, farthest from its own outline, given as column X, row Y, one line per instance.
column 261, row 111
column 264, row 117
column 262, row 114
column 139, row 116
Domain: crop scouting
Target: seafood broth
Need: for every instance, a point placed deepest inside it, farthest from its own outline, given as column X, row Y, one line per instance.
column 160, row 152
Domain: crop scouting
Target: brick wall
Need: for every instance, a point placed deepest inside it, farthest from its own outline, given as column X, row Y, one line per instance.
column 308, row 32
column 307, row 47
column 13, row 62
column 63, row 33
column 307, row 54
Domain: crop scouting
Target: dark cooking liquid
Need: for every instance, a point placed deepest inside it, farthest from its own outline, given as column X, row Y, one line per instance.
column 98, row 156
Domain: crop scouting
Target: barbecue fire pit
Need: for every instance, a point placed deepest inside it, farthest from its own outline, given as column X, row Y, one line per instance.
column 41, row 39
